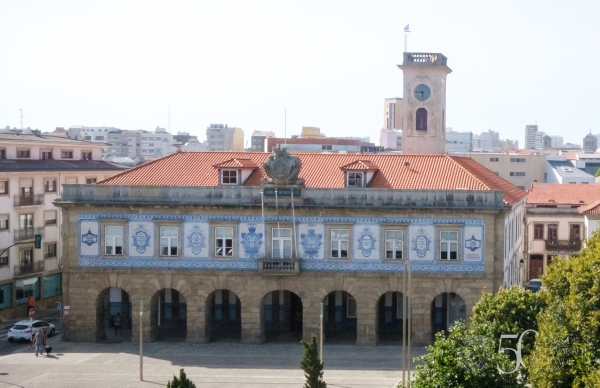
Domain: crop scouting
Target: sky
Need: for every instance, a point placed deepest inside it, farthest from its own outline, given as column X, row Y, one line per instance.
column 279, row 65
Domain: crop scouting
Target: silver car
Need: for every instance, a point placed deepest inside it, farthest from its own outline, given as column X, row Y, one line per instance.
column 26, row 329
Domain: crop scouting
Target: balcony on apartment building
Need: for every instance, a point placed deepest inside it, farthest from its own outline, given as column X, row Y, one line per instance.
column 29, row 268
column 27, row 233
column 563, row 247
column 29, row 200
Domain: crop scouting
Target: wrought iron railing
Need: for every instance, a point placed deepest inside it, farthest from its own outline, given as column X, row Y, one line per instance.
column 563, row 245
column 27, row 233
column 279, row 266
column 25, row 269
column 30, row 200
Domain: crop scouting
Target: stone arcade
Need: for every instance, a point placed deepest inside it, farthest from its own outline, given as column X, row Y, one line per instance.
column 215, row 249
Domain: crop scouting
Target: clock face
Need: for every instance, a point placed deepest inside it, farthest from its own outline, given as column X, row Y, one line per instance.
column 422, row 92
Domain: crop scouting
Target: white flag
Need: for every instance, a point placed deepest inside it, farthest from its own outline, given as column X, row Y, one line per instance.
column 406, row 28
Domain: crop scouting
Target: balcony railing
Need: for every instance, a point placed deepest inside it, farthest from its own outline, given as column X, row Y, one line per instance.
column 279, row 266
column 31, row 200
column 26, row 269
column 27, row 233
column 563, row 246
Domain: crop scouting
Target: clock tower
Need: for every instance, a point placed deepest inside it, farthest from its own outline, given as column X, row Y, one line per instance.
column 424, row 103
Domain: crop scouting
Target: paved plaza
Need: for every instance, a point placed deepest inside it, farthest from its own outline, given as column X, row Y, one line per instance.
column 218, row 365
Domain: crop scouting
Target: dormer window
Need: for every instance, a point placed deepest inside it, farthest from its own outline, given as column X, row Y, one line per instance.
column 354, row 179
column 229, row 177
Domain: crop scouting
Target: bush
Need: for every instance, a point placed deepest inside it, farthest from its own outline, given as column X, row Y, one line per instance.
column 181, row 382
column 310, row 364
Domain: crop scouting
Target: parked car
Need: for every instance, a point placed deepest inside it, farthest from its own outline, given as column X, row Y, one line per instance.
column 534, row 285
column 25, row 329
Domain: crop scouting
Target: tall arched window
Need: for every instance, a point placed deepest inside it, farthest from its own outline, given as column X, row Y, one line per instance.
column 421, row 119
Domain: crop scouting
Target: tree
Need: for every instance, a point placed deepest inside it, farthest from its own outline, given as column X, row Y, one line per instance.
column 310, row 364
column 567, row 352
column 181, row 382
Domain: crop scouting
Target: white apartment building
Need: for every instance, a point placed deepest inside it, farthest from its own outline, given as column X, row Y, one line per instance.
column 221, row 137
column 33, row 168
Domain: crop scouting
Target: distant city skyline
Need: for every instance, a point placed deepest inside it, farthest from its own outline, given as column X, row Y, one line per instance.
column 272, row 66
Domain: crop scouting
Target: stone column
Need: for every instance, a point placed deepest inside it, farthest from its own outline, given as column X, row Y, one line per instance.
column 421, row 331
column 146, row 320
column 252, row 323
column 366, row 314
column 196, row 321
column 311, row 321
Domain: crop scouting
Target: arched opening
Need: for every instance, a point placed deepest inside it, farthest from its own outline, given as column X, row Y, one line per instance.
column 339, row 317
column 223, row 316
column 282, row 316
column 113, row 302
column 421, row 119
column 446, row 309
column 389, row 317
column 168, row 315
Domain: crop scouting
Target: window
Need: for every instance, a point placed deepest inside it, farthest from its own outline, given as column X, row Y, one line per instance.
column 24, row 288
column 421, row 119
column 494, row 159
column 538, row 231
column 517, row 173
column 26, row 256
column 26, row 221
column 339, row 243
column 552, row 232
column 66, row 154
column 86, row 155
column 90, row 181
column 574, row 232
column 2, row 153
column 113, row 240
column 52, row 285
column 519, row 160
column 448, row 245
column 282, row 243
column 224, row 242
column 46, row 155
column 22, row 153
column 50, row 250
column 50, row 185
column 326, row 147
column 4, row 259
column 50, row 217
column 3, row 187
column 393, row 244
column 229, row 177
column 3, row 222
column 98, row 137
column 169, row 236
column 354, row 179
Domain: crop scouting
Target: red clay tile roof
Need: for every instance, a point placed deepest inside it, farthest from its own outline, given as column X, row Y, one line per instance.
column 237, row 163
column 593, row 208
column 563, row 194
column 408, row 172
column 571, row 156
column 361, row 165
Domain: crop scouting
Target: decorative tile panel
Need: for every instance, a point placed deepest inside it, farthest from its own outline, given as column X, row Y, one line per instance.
column 141, row 239
column 251, row 240
column 89, row 238
column 196, row 240
column 473, row 243
column 421, row 242
column 366, row 242
column 311, row 241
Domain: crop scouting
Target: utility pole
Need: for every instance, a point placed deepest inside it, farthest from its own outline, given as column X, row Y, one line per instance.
column 21, row 118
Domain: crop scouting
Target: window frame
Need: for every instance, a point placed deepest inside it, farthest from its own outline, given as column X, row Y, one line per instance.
column 6, row 187
column 548, row 228
column 384, row 241
column 229, row 170
column 103, row 225
column 440, row 241
column 48, row 221
column 23, row 153
column 7, row 219
column 46, row 245
column 356, row 174
column 46, row 185
column 23, row 249
column 279, row 239
column 214, row 242
column 5, row 260
column 163, row 224
column 330, row 240
column 85, row 153
column 536, row 228
column 66, row 154
column 87, row 180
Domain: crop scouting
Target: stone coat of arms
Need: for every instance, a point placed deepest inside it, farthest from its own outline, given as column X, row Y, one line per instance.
column 283, row 168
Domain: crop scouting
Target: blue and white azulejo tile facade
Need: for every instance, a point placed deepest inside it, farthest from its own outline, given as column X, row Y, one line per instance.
column 420, row 245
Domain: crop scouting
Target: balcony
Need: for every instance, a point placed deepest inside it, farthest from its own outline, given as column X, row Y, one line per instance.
column 27, row 269
column 279, row 266
column 32, row 200
column 27, row 233
column 563, row 247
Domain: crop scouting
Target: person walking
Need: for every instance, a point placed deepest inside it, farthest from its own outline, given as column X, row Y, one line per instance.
column 117, row 323
column 39, row 341
column 30, row 303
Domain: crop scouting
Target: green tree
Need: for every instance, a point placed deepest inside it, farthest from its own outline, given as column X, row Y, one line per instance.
column 310, row 364
column 567, row 352
column 181, row 382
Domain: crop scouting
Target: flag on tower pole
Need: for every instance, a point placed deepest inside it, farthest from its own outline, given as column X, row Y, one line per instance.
column 406, row 28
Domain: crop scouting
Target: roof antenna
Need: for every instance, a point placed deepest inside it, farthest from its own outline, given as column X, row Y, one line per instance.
column 285, row 126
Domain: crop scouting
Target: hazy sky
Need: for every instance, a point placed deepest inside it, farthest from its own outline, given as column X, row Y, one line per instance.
column 331, row 63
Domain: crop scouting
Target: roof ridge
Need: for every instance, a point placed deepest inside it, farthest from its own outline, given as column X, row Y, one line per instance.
column 140, row 166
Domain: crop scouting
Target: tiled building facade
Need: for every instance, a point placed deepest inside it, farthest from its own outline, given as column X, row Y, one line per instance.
column 213, row 249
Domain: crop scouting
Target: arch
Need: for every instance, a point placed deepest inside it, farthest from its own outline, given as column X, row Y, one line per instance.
column 421, row 119
column 340, row 317
column 110, row 302
column 223, row 316
column 446, row 309
column 282, row 315
column 389, row 317
column 168, row 315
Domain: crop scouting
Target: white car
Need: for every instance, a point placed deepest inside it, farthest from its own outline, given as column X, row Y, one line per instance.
column 24, row 330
